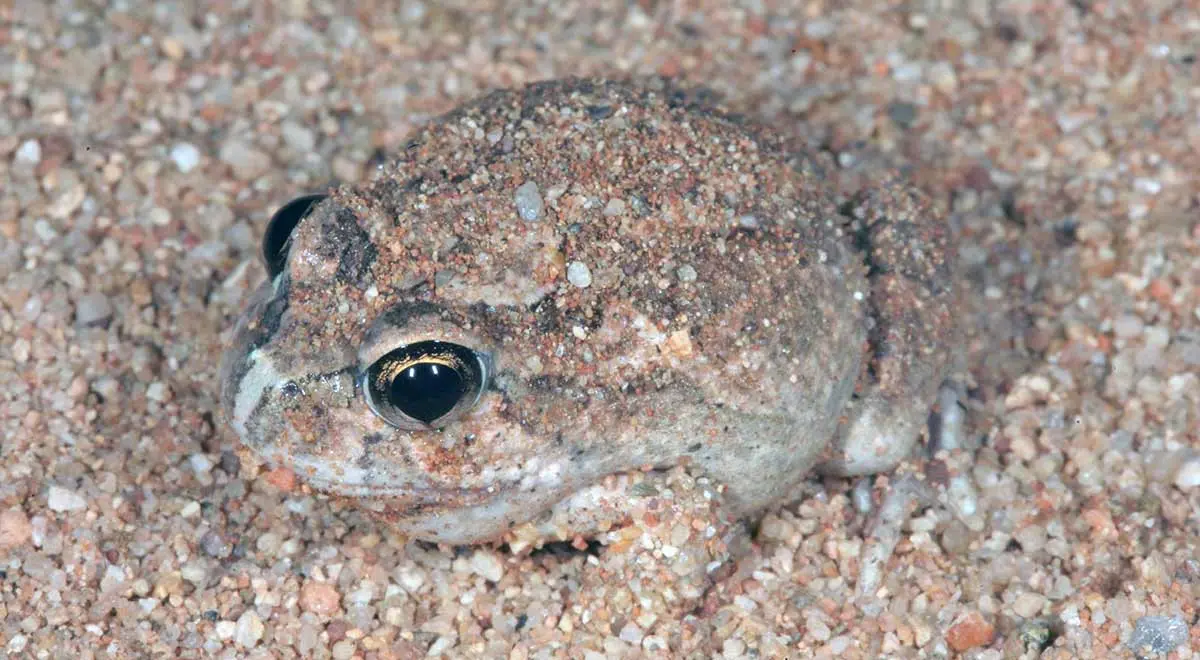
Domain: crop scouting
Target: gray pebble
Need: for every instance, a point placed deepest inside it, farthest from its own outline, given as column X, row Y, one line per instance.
column 245, row 161
column 529, row 201
column 1158, row 634
column 93, row 309
column 297, row 137
column 215, row 545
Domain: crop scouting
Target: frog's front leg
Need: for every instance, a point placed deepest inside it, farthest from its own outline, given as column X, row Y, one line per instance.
column 913, row 316
column 665, row 534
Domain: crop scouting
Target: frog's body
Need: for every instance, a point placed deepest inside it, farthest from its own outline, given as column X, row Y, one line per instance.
column 637, row 281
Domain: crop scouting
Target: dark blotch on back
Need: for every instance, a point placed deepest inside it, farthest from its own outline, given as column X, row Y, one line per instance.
column 346, row 240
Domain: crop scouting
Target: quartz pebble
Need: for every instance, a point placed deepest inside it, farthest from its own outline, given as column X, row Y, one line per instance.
column 487, row 565
column 186, row 156
column 60, row 499
column 529, row 201
column 1187, row 476
column 29, row 153
column 579, row 275
column 249, row 630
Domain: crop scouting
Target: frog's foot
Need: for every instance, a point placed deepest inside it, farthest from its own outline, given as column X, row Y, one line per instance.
column 665, row 533
column 912, row 300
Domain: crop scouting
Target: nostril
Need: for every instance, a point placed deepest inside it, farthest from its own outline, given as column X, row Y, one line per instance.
column 276, row 239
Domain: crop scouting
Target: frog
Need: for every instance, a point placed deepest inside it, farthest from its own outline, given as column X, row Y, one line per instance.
column 591, row 308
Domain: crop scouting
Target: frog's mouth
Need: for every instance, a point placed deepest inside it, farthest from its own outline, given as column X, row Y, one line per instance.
column 442, row 514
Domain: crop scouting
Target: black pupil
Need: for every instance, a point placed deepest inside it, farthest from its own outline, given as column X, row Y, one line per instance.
column 426, row 390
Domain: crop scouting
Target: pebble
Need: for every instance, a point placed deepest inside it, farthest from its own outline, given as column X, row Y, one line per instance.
column 246, row 162
column 158, row 391
column 320, row 598
column 249, row 630
column 60, row 499
column 195, row 572
column 215, row 545
column 186, row 156
column 686, row 273
column 529, row 201
column 1158, row 634
column 970, row 631
column 1029, row 605
column 1188, row 475
column 487, row 565
column 631, row 633
column 29, row 153
column 579, row 274
column 14, row 529
column 68, row 201
column 92, row 309
column 297, row 137
column 200, row 463
column 1128, row 326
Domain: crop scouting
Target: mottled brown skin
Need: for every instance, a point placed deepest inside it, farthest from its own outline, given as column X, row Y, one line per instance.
column 745, row 373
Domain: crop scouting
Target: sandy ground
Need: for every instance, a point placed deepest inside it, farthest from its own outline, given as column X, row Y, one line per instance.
column 143, row 147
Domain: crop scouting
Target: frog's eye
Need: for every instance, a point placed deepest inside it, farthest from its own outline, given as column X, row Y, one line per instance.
column 424, row 385
column 275, row 240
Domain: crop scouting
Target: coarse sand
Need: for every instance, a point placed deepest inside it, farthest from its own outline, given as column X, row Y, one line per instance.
column 144, row 145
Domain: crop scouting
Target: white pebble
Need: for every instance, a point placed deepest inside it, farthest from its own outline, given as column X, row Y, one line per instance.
column 60, row 499
column 579, row 274
column 487, row 565
column 1188, row 476
column 186, row 156
column 631, row 633
column 529, row 201
column 158, row 391
column 29, row 152
column 200, row 463
column 1147, row 186
column 225, row 629
column 1028, row 605
column 250, row 629
column 686, row 273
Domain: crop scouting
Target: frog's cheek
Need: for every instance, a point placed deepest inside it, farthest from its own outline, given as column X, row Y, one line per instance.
column 249, row 393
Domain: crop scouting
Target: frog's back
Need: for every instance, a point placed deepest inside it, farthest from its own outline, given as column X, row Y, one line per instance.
column 692, row 250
